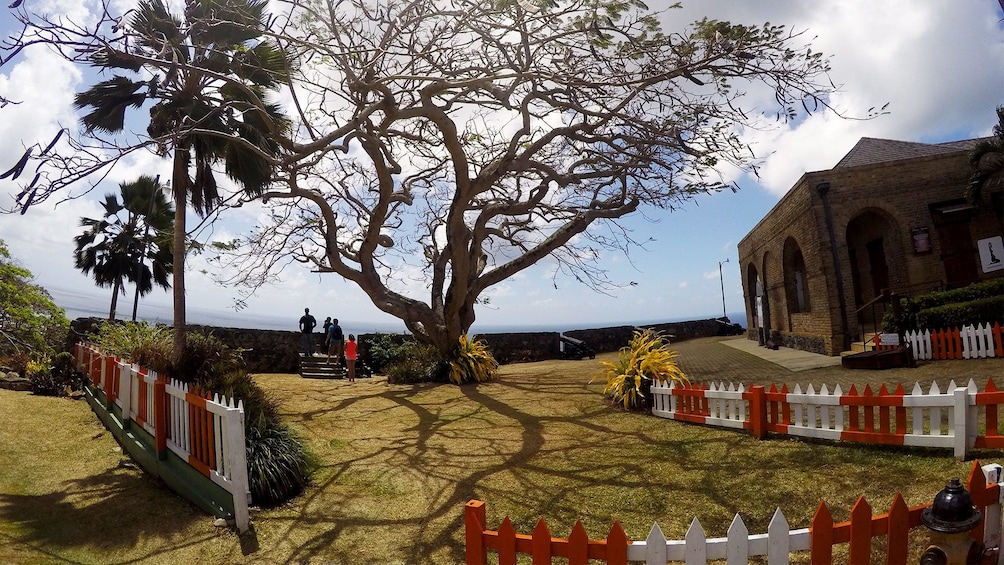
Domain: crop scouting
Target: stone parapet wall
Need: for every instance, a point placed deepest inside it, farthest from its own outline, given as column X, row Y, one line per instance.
column 273, row 351
column 522, row 347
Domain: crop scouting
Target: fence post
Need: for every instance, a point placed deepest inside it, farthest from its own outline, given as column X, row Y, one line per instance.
column 125, row 393
column 160, row 418
column 758, row 411
column 237, row 467
column 960, row 419
column 474, row 527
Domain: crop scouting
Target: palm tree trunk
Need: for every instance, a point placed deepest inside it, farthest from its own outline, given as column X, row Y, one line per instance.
column 180, row 184
column 115, row 300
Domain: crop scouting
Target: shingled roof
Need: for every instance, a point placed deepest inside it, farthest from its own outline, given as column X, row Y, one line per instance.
column 869, row 150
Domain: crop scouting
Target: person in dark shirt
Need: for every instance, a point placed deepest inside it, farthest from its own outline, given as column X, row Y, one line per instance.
column 335, row 340
column 307, row 325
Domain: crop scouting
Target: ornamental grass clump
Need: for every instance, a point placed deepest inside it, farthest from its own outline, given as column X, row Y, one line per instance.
column 646, row 359
column 472, row 362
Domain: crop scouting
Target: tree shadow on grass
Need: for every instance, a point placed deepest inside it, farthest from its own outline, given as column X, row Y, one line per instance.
column 109, row 511
column 528, row 456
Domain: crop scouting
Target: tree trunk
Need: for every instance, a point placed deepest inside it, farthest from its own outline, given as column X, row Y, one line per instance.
column 115, row 300
column 180, row 184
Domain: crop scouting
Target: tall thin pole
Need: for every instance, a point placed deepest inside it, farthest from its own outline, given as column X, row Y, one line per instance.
column 722, row 278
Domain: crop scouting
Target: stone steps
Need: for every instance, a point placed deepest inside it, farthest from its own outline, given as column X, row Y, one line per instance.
column 316, row 368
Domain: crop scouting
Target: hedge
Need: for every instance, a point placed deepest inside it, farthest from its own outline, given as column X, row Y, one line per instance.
column 977, row 303
column 974, row 312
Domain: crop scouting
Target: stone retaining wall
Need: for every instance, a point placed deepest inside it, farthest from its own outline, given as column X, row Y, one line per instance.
column 273, row 351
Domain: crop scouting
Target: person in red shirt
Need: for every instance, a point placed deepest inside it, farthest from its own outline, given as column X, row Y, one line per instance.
column 350, row 357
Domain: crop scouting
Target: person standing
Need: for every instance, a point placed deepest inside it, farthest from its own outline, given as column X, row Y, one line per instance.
column 335, row 340
column 350, row 357
column 307, row 325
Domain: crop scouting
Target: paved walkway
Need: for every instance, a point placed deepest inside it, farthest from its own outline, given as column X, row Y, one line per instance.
column 731, row 359
column 791, row 359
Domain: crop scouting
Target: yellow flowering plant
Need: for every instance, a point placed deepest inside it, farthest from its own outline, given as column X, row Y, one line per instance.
column 646, row 358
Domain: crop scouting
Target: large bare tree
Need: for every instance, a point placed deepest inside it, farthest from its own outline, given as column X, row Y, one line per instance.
column 443, row 146
column 454, row 143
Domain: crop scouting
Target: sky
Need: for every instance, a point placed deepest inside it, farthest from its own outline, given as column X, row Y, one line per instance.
column 938, row 64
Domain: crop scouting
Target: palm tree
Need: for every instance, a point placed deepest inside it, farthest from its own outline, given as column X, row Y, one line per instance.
column 113, row 249
column 211, row 68
column 986, row 162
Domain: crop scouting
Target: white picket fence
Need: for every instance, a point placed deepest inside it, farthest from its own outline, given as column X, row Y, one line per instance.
column 736, row 548
column 977, row 343
column 228, row 466
column 861, row 535
column 778, row 543
column 221, row 425
column 948, row 419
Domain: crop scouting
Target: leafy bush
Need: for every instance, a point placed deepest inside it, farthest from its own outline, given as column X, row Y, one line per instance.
column 414, row 363
column 55, row 378
column 32, row 323
column 471, row 362
column 975, row 291
column 974, row 312
column 278, row 464
column 647, row 358
column 207, row 361
column 16, row 362
column 977, row 303
column 383, row 349
column 140, row 342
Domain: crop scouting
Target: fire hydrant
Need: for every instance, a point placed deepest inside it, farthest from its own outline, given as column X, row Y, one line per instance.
column 950, row 518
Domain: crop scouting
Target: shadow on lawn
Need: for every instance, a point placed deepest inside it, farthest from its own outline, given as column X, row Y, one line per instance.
column 536, row 461
column 539, row 442
column 112, row 510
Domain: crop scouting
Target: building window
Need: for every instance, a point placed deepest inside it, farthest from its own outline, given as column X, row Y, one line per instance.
column 800, row 303
column 796, row 283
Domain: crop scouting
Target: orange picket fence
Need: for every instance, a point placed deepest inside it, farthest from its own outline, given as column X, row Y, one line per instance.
column 969, row 342
column 776, row 545
column 958, row 418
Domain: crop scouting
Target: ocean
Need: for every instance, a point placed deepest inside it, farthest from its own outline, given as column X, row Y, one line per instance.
column 81, row 305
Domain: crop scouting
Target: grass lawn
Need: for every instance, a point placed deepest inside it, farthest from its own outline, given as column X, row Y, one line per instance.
column 395, row 465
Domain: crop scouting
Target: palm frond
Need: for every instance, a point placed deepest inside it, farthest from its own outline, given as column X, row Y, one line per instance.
column 109, row 100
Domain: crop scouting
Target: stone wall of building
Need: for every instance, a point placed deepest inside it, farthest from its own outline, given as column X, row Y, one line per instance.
column 894, row 199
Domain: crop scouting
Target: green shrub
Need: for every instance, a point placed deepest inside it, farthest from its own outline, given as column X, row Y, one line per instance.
column 383, row 349
column 977, row 303
column 17, row 362
column 974, row 312
column 140, row 342
column 471, row 362
column 56, row 378
column 207, row 361
column 278, row 464
column 414, row 363
column 975, row 291
column 647, row 358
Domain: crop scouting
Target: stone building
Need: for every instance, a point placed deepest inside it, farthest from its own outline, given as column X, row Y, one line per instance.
column 890, row 216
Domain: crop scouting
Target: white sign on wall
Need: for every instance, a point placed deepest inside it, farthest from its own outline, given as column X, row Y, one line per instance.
column 991, row 253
